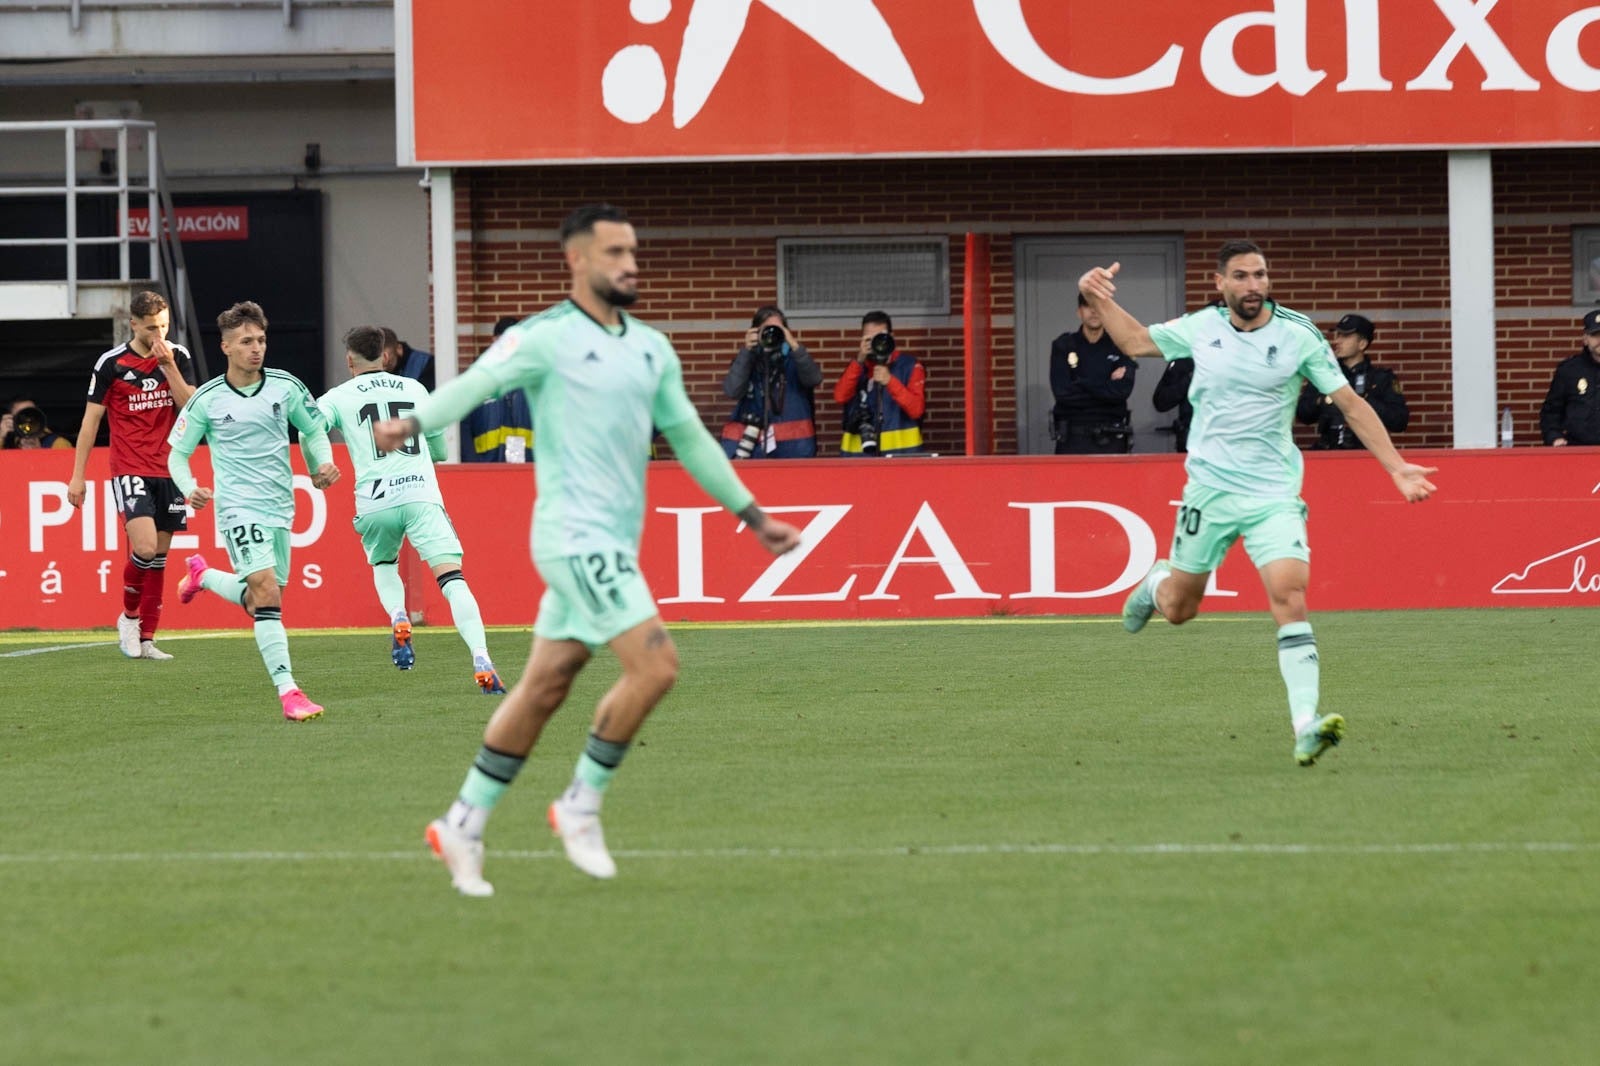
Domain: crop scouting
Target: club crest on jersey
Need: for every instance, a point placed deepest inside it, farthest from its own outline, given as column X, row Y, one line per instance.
column 1272, row 355
column 277, row 409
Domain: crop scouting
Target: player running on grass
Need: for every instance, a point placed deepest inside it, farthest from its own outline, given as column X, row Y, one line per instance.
column 398, row 499
column 1244, row 471
column 596, row 379
column 246, row 414
column 138, row 388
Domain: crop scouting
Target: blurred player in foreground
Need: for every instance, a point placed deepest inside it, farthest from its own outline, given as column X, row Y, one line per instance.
column 596, row 379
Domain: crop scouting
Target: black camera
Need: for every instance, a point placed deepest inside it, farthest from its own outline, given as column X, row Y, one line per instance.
column 771, row 338
column 880, row 348
column 865, row 426
column 749, row 439
column 28, row 422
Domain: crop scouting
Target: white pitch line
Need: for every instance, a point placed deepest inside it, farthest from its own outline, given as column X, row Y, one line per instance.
column 816, row 854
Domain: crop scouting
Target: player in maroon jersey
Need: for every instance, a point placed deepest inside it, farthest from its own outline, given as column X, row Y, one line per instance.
column 141, row 385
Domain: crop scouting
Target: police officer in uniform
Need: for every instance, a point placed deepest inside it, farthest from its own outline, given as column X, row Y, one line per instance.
column 1091, row 380
column 1352, row 335
column 1571, row 411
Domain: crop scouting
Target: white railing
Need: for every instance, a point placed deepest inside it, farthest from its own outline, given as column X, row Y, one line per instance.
column 122, row 188
column 165, row 252
column 76, row 8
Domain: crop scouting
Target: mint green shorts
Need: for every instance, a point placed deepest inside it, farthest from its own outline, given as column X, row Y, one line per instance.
column 595, row 597
column 1210, row 520
column 424, row 524
column 255, row 546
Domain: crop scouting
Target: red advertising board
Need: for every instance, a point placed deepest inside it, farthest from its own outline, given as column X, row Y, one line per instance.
column 500, row 81
column 882, row 539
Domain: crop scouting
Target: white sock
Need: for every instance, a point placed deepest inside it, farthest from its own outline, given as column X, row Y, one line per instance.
column 481, row 653
column 1303, row 722
column 582, row 797
column 286, row 688
column 467, row 818
column 1153, row 582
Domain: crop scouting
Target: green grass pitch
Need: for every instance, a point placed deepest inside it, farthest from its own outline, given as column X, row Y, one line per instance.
column 1005, row 842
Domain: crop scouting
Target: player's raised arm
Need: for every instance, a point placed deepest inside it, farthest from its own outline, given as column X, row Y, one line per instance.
column 508, row 364
column 1099, row 285
column 1409, row 478
column 705, row 461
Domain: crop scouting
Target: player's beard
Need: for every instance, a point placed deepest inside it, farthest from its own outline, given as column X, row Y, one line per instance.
column 615, row 296
column 1248, row 312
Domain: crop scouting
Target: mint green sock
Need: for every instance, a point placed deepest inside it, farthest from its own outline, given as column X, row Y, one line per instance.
column 599, row 761
column 391, row 590
column 464, row 610
column 491, row 774
column 229, row 586
column 1302, row 673
column 273, row 641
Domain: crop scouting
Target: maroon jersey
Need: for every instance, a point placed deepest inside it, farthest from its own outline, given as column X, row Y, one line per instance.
column 139, row 409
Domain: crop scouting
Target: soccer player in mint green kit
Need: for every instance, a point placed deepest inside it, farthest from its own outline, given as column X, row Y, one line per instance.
column 596, row 379
column 1244, row 471
column 246, row 414
column 397, row 499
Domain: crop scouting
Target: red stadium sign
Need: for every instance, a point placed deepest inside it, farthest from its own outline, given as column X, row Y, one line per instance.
column 893, row 538
column 198, row 223
column 501, row 81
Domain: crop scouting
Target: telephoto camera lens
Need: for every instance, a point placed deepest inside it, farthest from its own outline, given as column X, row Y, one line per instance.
column 28, row 422
column 747, row 442
column 881, row 345
column 771, row 337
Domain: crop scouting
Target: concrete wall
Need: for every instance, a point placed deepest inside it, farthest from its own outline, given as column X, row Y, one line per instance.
column 229, row 137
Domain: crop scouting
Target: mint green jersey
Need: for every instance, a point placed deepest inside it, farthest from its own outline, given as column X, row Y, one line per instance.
column 403, row 476
column 595, row 394
column 1246, row 384
column 249, row 435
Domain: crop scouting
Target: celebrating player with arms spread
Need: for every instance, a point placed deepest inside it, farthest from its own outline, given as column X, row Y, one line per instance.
column 138, row 387
column 596, row 379
column 1250, row 356
column 246, row 414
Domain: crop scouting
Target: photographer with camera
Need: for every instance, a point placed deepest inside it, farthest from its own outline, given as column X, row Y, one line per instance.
column 1091, row 380
column 24, row 426
column 774, row 379
column 882, row 393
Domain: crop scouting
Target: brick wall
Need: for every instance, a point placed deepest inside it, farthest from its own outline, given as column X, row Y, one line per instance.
column 1343, row 232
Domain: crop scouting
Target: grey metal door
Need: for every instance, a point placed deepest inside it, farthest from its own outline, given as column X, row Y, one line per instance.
column 1149, row 285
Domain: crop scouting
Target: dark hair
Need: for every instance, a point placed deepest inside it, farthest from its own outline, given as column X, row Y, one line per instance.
column 583, row 219
column 391, row 339
column 365, row 342
column 767, row 311
column 504, row 322
column 1232, row 250
column 877, row 316
column 1083, row 301
column 245, row 311
column 146, row 303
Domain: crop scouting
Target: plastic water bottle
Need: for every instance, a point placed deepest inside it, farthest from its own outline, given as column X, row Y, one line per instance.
column 1505, row 427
